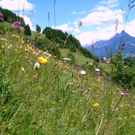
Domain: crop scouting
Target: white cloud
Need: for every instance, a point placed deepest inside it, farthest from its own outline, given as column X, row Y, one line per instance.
column 87, row 37
column 105, row 33
column 73, row 13
column 13, row 4
column 65, row 27
column 104, row 16
column 82, row 12
column 110, row 3
column 27, row 21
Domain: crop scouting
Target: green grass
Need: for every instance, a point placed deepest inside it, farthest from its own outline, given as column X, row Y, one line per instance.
column 80, row 58
column 54, row 99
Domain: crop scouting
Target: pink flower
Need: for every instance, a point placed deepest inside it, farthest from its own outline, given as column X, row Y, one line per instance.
column 1, row 16
column 98, row 73
column 17, row 25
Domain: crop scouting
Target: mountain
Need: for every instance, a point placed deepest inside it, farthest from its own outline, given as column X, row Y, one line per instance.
column 113, row 44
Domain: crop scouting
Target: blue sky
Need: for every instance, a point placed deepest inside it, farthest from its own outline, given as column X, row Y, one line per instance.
column 98, row 16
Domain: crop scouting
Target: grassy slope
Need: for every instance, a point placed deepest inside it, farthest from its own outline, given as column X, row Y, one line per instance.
column 81, row 59
column 54, row 100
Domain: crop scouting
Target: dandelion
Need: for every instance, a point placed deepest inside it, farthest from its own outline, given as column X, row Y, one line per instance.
column 36, row 65
column 96, row 104
column 75, row 115
column 42, row 60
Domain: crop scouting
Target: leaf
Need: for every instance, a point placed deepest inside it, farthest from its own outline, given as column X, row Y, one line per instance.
column 84, row 117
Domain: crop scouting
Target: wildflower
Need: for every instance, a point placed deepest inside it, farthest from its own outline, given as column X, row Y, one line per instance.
column 23, row 69
column 80, row 75
column 98, row 73
column 96, row 104
column 23, row 38
column 82, row 90
column 26, row 75
column 90, row 63
column 75, row 115
column 1, row 16
column 36, row 65
column 120, row 118
column 98, row 96
column 97, row 69
column 83, row 72
column 42, row 60
column 66, row 59
column 78, row 86
column 17, row 25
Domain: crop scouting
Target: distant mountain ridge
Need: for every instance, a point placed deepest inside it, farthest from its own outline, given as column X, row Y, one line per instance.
column 113, row 44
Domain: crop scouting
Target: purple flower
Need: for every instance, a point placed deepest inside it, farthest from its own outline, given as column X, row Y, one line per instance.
column 127, row 90
column 6, row 50
column 1, row 16
column 89, row 74
column 98, row 73
column 78, row 86
column 82, row 90
column 20, row 56
column 80, row 75
column 98, row 96
column 80, row 65
column 23, row 38
column 17, row 25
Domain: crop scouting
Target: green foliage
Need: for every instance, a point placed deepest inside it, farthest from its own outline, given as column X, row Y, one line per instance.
column 66, row 40
column 11, row 17
column 38, row 28
column 129, row 61
column 72, row 57
column 27, row 30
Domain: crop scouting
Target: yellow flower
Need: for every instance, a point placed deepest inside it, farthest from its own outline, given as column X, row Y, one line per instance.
column 23, row 69
column 42, row 60
column 125, row 118
column 75, row 115
column 96, row 104
column 26, row 75
column 18, row 36
column 120, row 118
column 118, row 88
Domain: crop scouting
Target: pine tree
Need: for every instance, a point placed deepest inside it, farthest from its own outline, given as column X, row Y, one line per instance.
column 27, row 30
column 38, row 28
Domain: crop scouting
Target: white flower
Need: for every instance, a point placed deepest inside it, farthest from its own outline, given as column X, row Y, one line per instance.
column 90, row 63
column 83, row 72
column 66, row 59
column 36, row 65
column 97, row 70
column 48, row 54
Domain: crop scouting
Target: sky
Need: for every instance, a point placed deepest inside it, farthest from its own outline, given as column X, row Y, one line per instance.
column 98, row 17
